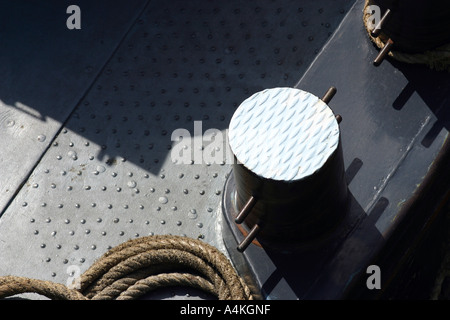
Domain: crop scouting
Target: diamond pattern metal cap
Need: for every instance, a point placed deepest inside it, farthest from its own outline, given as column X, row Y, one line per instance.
column 283, row 133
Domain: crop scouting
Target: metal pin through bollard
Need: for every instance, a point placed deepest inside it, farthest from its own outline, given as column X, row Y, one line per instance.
column 329, row 95
column 245, row 210
column 249, row 238
column 387, row 47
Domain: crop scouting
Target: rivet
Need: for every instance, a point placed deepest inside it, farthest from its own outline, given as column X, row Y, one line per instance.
column 192, row 214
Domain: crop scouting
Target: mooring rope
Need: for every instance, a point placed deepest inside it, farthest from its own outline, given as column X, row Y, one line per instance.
column 437, row 59
column 139, row 266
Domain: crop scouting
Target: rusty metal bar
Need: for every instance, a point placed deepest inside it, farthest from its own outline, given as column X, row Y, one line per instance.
column 387, row 47
column 249, row 238
column 329, row 95
column 245, row 210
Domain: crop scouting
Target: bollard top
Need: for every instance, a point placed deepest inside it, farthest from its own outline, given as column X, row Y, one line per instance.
column 283, row 133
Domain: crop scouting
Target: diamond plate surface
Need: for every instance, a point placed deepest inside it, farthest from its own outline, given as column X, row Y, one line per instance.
column 108, row 175
column 283, row 133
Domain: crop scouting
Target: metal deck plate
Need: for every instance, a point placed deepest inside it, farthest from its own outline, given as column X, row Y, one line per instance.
column 46, row 69
column 108, row 174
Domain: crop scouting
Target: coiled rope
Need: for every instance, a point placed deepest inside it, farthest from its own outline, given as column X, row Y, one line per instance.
column 437, row 59
column 139, row 266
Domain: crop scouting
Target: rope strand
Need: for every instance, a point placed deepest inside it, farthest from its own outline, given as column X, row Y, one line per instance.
column 141, row 265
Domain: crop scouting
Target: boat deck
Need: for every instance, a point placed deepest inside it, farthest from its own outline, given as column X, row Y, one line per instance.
column 87, row 117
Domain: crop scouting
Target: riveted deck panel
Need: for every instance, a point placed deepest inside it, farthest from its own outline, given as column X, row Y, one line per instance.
column 104, row 173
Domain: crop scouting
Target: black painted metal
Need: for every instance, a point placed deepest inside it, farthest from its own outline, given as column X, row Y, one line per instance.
column 294, row 210
column 396, row 144
column 416, row 26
